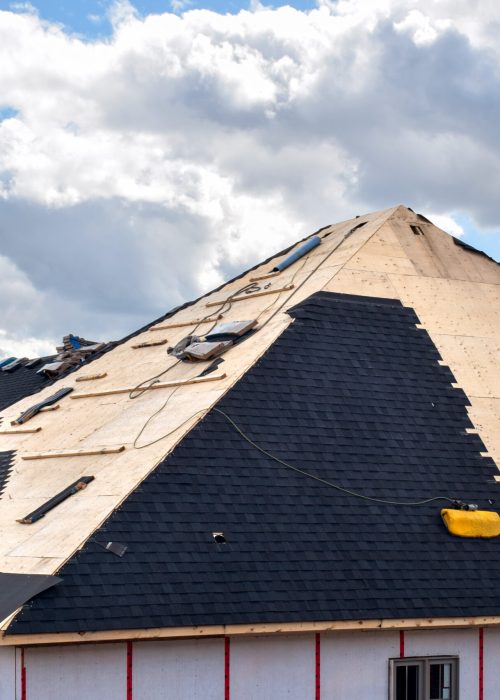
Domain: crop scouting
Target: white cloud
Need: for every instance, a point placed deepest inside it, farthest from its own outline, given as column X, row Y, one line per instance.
column 14, row 346
column 447, row 223
column 151, row 165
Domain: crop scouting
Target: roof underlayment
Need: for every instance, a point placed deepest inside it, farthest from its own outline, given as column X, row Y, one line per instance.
column 454, row 293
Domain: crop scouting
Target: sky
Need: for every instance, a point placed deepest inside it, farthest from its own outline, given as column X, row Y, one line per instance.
column 149, row 151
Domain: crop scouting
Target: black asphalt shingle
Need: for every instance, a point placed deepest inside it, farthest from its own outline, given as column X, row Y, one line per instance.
column 5, row 467
column 353, row 393
column 19, row 383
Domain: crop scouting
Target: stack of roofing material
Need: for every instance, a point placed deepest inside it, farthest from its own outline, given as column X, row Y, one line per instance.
column 73, row 352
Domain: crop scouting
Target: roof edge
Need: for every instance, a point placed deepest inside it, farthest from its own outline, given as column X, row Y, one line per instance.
column 196, row 632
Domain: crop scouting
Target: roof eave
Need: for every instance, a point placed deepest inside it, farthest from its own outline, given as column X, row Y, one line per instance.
column 195, row 632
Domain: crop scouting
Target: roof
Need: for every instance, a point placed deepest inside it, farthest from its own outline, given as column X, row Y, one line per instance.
column 18, row 383
column 6, row 459
column 353, row 393
column 193, row 468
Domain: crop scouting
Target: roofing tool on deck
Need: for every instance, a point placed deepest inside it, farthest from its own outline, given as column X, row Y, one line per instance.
column 299, row 253
column 216, row 342
column 73, row 488
column 49, row 401
column 470, row 522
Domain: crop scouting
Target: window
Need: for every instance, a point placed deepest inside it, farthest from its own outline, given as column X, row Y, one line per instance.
column 428, row 678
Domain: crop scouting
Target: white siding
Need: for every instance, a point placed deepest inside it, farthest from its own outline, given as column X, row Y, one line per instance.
column 462, row 643
column 7, row 673
column 354, row 665
column 185, row 670
column 272, row 668
column 96, row 671
column 491, row 662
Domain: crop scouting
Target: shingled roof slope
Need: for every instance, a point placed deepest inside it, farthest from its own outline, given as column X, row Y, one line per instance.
column 391, row 254
column 20, row 382
column 353, row 393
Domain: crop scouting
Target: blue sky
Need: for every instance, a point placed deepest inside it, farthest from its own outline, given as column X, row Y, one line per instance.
column 89, row 18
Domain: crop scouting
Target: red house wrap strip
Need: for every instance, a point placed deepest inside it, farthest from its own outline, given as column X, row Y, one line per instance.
column 227, row 668
column 318, row 667
column 129, row 671
column 481, row 663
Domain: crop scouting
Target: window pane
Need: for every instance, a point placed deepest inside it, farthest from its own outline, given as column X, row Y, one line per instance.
column 440, row 681
column 407, row 682
column 412, row 683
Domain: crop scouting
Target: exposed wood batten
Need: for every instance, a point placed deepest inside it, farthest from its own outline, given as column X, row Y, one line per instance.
column 266, row 276
column 46, row 409
column 91, row 377
column 20, row 431
column 230, row 300
column 159, row 385
column 79, row 453
column 185, row 324
column 139, row 346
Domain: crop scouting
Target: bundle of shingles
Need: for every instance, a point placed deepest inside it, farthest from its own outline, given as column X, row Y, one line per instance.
column 73, row 352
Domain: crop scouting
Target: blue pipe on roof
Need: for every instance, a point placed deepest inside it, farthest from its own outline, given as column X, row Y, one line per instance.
column 308, row 245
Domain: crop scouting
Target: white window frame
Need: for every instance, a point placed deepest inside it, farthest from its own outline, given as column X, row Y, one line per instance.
column 424, row 663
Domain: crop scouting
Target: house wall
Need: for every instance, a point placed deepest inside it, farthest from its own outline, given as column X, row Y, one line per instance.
column 330, row 666
column 77, row 672
column 7, row 672
column 191, row 669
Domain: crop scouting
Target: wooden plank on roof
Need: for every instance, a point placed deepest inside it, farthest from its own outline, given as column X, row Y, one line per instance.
column 265, row 276
column 46, row 409
column 78, row 453
column 19, row 431
column 159, row 385
column 149, row 345
column 230, row 300
column 91, row 377
column 181, row 324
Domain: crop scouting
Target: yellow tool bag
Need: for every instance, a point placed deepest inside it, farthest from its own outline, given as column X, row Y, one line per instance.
column 471, row 523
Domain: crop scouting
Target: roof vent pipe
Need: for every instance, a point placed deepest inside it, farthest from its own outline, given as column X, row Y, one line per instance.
column 308, row 245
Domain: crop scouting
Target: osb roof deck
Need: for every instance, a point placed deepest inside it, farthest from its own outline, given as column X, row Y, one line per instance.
column 454, row 292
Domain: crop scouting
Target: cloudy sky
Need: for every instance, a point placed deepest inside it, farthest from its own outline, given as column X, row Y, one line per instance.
column 149, row 151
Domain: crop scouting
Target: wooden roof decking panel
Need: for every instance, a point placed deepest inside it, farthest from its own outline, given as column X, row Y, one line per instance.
column 456, row 294
column 108, row 421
